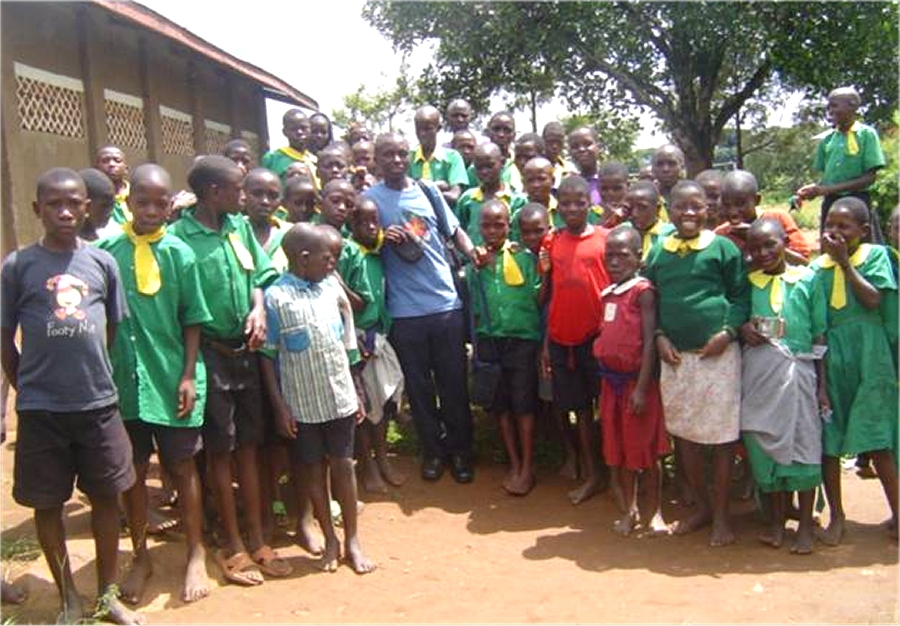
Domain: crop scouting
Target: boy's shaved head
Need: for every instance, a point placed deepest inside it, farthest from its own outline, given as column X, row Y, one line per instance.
column 384, row 138
column 56, row 177
column 574, row 184
column 261, row 172
column 151, row 172
column 427, row 113
column 487, row 149
column 627, row 235
column 669, row 148
column 709, row 176
column 494, row 206
column 301, row 237
column 767, row 226
column 613, row 168
column 687, row 186
column 534, row 138
column 97, row 183
column 531, row 210
column 236, row 144
column 645, row 188
column 293, row 114
column 337, row 183
column 857, row 208
column 211, row 170
column 553, row 128
column 538, row 163
column 741, row 182
column 848, row 93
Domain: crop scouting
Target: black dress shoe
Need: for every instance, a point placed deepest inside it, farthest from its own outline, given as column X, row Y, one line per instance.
column 432, row 468
column 461, row 469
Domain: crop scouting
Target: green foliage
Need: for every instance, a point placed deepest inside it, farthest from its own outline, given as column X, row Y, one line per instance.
column 884, row 191
column 693, row 64
column 379, row 109
column 24, row 548
column 617, row 133
column 781, row 158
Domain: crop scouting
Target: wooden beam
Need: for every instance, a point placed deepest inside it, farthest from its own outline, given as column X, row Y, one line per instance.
column 93, row 87
column 11, row 172
column 196, row 104
column 152, row 123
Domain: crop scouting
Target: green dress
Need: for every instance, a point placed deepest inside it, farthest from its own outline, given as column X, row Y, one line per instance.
column 862, row 380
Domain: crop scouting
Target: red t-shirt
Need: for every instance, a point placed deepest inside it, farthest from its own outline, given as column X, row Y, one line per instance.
column 578, row 275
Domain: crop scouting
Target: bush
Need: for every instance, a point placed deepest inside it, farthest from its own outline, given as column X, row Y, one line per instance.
column 884, row 191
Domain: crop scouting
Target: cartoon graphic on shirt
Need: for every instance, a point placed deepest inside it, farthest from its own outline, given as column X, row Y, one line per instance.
column 70, row 291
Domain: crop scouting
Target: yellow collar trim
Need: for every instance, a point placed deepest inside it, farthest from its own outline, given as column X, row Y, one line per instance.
column 379, row 241
column 682, row 247
column 305, row 156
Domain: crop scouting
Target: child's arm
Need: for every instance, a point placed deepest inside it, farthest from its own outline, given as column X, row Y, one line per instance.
column 795, row 258
column 822, row 378
column 867, row 294
column 638, row 399
column 357, row 302
column 111, row 328
column 860, row 183
column 187, row 392
column 285, row 424
column 9, row 356
column 255, row 326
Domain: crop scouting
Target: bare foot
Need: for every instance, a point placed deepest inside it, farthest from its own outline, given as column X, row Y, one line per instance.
column 618, row 496
column 110, row 608
column 520, row 485
column 585, row 491
column 196, row 580
column 371, row 477
column 12, row 594
column 330, row 556
column 695, row 522
column 625, row 525
column 832, row 535
column 308, row 539
column 356, row 558
column 721, row 535
column 133, row 587
column 569, row 468
column 390, row 473
column 657, row 527
column 773, row 537
column 803, row 544
column 73, row 609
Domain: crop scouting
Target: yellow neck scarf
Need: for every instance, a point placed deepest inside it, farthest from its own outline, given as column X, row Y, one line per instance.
column 512, row 274
column 850, row 136
column 761, row 280
column 683, row 247
column 426, row 166
column 121, row 199
column 379, row 241
column 839, row 286
column 146, row 269
column 296, row 154
column 648, row 238
column 240, row 251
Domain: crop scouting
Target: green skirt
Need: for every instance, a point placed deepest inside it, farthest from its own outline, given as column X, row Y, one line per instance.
column 771, row 476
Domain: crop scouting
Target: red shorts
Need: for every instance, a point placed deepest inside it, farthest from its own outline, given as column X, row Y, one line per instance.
column 629, row 440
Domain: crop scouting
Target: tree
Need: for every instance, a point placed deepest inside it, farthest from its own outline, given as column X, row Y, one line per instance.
column 379, row 109
column 694, row 65
column 617, row 134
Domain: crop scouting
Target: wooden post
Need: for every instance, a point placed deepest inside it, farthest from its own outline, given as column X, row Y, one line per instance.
column 93, row 87
column 196, row 105
column 11, row 175
column 152, row 123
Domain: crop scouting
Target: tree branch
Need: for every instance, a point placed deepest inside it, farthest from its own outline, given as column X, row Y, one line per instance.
column 732, row 103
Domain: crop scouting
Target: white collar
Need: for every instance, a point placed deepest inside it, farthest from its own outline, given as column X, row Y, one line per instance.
column 618, row 289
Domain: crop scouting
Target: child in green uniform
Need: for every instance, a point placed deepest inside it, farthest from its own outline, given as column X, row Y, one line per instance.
column 233, row 271
column 111, row 161
column 295, row 126
column 300, row 199
column 862, row 380
column 527, row 147
column 501, row 131
column 382, row 377
column 507, row 324
column 161, row 382
column 848, row 156
column 429, row 161
column 703, row 301
column 488, row 162
column 464, row 142
column 332, row 162
column 783, row 381
column 643, row 207
column 537, row 178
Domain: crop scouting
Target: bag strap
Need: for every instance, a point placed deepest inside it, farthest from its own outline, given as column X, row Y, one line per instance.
column 436, row 206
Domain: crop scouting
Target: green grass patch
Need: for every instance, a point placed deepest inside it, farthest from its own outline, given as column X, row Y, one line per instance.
column 25, row 548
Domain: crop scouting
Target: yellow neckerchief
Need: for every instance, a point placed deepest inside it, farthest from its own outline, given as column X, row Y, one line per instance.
column 761, row 280
column 426, row 163
column 839, row 286
column 376, row 249
column 503, row 194
column 304, row 156
column 512, row 274
column 146, row 269
column 647, row 242
column 240, row 251
column 683, row 247
column 850, row 138
column 280, row 260
column 121, row 199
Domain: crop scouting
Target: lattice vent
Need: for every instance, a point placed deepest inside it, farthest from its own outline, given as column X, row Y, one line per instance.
column 49, row 103
column 217, row 135
column 177, row 131
column 124, row 119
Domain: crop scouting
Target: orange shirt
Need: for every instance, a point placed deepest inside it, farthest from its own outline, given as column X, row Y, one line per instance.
column 796, row 240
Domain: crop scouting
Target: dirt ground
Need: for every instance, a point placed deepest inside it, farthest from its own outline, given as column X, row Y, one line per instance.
column 471, row 553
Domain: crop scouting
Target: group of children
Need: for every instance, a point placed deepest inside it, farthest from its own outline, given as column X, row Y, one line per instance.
column 676, row 306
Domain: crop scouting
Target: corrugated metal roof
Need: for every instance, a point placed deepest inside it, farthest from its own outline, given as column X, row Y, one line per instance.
column 153, row 21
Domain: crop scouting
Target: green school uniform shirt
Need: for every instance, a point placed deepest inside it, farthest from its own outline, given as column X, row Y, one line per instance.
column 513, row 309
column 699, row 293
column 375, row 314
column 803, row 308
column 273, row 245
column 445, row 164
column 837, row 166
column 468, row 209
column 505, row 174
column 148, row 352
column 279, row 160
column 120, row 212
column 226, row 285
column 351, row 268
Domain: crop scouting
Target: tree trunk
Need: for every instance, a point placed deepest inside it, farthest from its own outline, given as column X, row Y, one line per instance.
column 739, row 148
column 697, row 147
column 533, row 106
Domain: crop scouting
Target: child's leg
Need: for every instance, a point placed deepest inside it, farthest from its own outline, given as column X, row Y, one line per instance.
column 777, row 503
column 52, row 537
column 525, row 425
column 371, row 475
column 343, row 482
column 249, row 483
column 187, row 481
column 508, row 435
column 379, row 433
column 722, row 464
column 136, row 509
column 887, row 474
column 831, row 478
column 650, row 482
column 626, row 479
column 313, row 475
column 105, row 529
column 569, row 467
column 266, row 493
column 691, row 456
column 804, row 542
column 587, row 452
column 219, row 464
column 306, row 537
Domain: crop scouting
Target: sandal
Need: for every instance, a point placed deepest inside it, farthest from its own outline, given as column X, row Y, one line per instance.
column 270, row 564
column 237, row 567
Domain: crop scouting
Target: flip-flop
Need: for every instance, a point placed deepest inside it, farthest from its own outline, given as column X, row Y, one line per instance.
column 159, row 524
column 270, row 564
column 235, row 567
